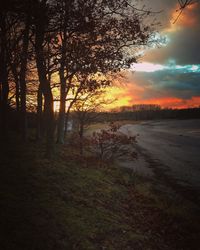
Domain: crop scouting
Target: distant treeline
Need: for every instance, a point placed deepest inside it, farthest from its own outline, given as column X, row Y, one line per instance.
column 190, row 113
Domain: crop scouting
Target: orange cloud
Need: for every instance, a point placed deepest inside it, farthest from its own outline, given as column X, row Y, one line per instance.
column 174, row 102
column 193, row 102
column 186, row 19
column 124, row 94
column 131, row 94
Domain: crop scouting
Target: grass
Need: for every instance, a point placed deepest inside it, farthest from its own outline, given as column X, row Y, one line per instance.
column 68, row 203
column 99, row 125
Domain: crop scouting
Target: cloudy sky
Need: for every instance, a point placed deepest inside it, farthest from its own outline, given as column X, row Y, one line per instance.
column 169, row 75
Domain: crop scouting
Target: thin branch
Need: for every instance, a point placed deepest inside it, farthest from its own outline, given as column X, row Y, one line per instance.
column 183, row 5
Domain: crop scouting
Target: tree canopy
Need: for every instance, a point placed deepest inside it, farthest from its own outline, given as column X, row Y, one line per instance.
column 65, row 46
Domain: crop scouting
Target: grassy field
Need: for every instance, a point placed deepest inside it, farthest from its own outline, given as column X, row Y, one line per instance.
column 72, row 203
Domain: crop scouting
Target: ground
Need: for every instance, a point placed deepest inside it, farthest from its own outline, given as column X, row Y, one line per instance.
column 69, row 202
column 170, row 150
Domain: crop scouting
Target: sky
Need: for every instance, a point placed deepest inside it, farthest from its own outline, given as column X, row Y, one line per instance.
column 168, row 75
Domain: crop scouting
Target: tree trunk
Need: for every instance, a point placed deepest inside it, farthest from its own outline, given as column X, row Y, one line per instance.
column 40, row 26
column 66, row 122
column 4, row 86
column 81, row 129
column 17, row 95
column 22, row 78
column 49, row 124
column 61, row 118
column 39, row 114
column 48, row 98
column 13, row 67
column 67, row 118
column 63, row 92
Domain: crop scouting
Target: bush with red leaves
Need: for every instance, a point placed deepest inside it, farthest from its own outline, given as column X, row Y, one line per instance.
column 110, row 144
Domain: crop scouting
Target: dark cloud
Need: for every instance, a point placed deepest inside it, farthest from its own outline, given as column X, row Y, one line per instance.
column 166, row 83
column 183, row 48
column 184, row 40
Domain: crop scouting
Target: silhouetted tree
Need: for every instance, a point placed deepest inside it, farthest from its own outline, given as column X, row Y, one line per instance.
column 4, row 85
column 72, row 46
column 86, row 110
column 41, row 23
column 95, row 37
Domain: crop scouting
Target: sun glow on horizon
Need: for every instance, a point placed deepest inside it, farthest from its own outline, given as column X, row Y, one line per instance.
column 125, row 96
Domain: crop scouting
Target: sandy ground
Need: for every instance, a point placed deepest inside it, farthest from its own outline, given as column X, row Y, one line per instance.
column 169, row 147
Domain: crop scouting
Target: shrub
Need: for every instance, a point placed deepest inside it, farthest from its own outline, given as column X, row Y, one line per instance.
column 110, row 144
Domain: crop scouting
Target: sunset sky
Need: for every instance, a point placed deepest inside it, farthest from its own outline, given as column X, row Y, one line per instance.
column 169, row 75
